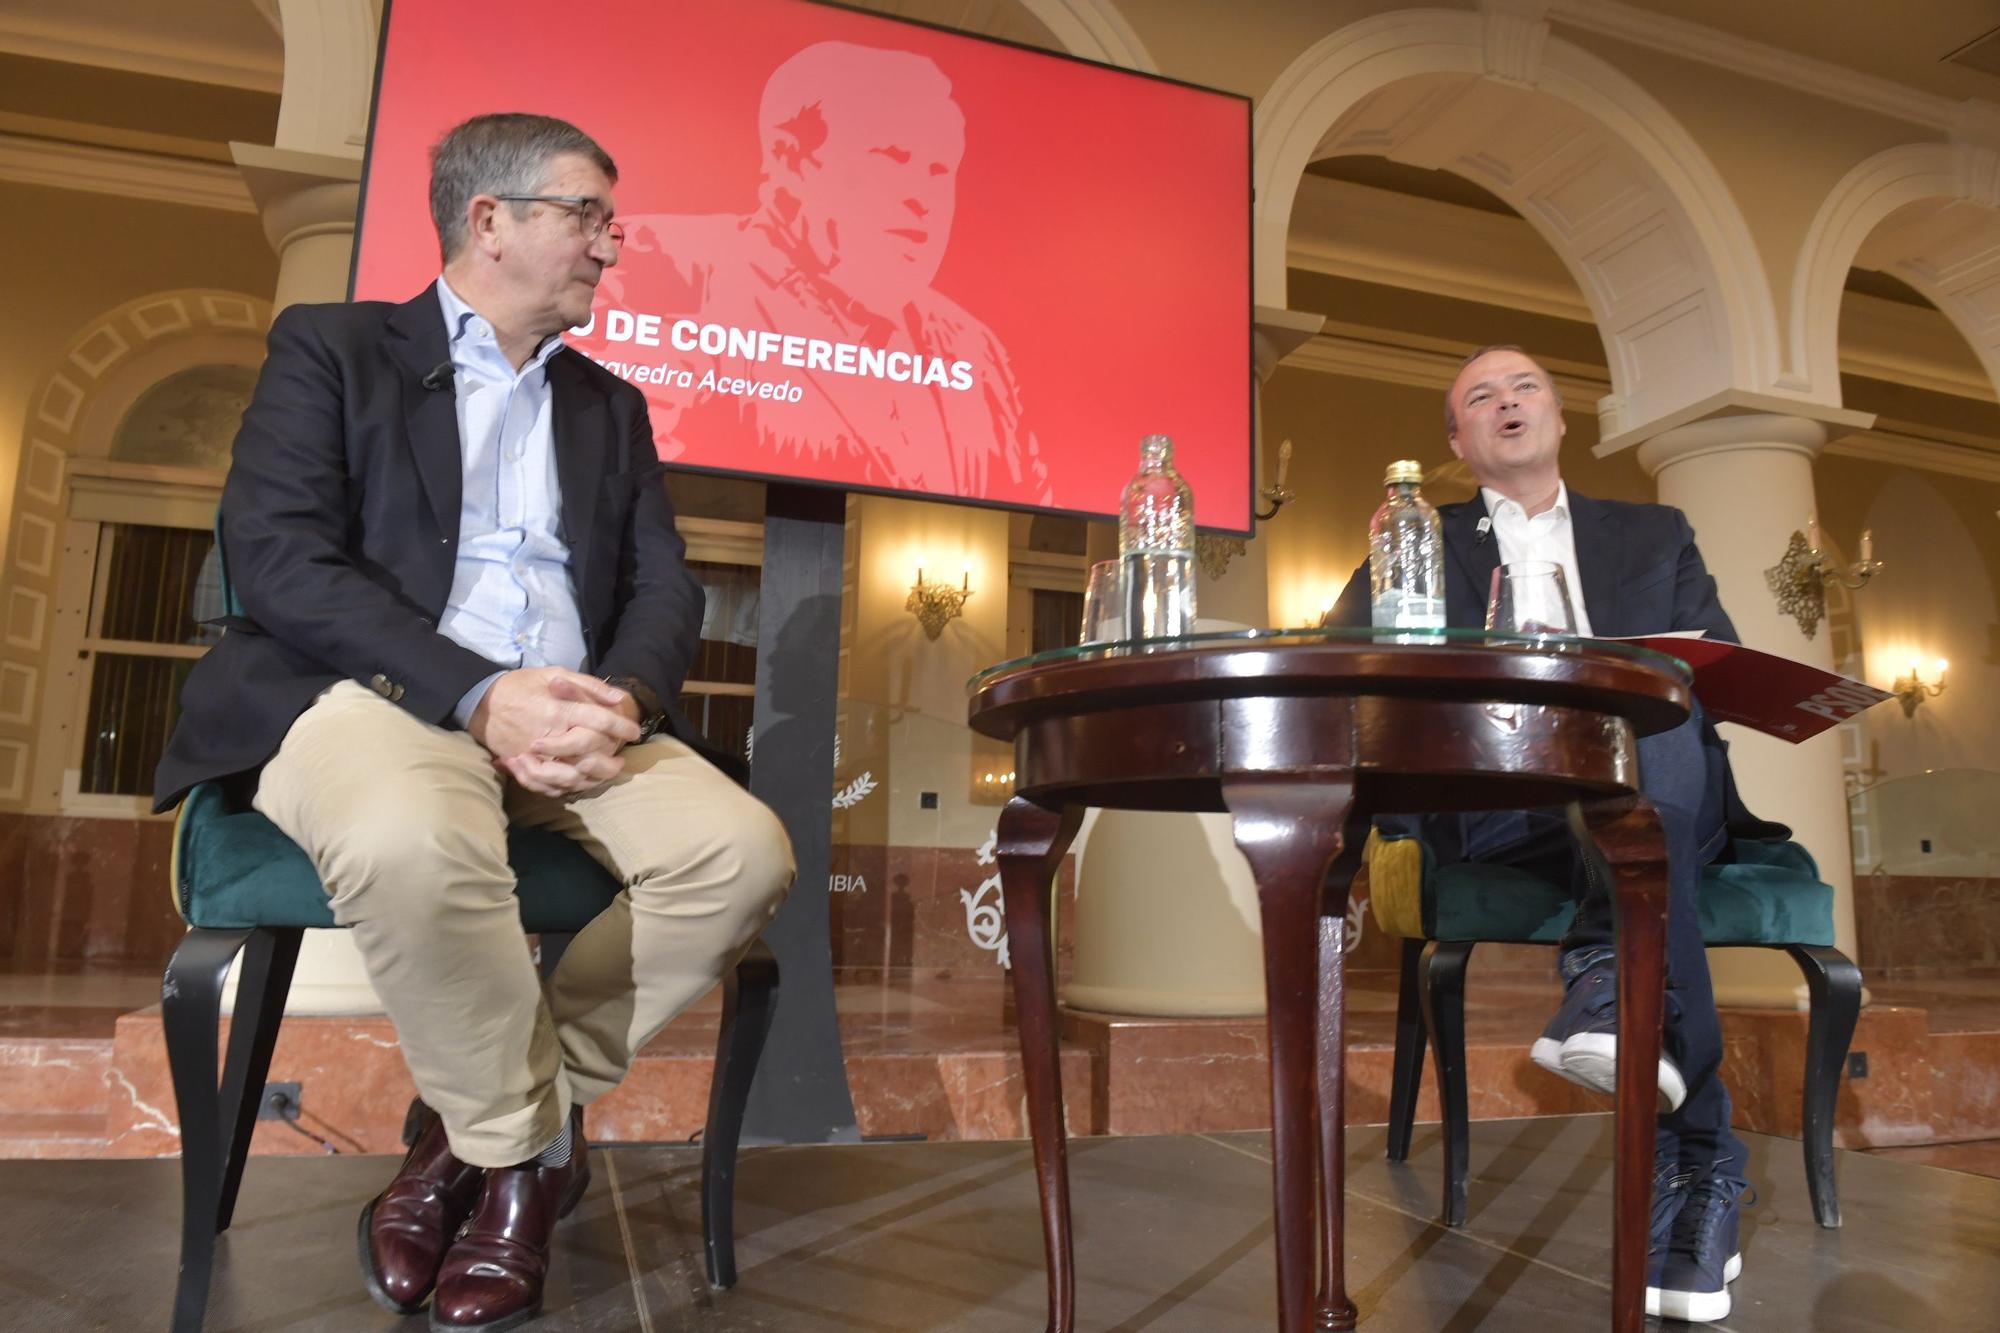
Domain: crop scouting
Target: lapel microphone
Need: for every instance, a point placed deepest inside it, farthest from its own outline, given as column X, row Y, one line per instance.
column 439, row 376
column 1484, row 530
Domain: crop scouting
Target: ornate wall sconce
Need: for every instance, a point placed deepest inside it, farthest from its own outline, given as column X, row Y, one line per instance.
column 936, row 605
column 993, row 786
column 1799, row 580
column 1911, row 688
column 1213, row 553
column 1277, row 494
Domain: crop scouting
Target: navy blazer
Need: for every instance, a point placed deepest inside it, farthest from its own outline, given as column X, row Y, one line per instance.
column 339, row 526
column 1641, row 574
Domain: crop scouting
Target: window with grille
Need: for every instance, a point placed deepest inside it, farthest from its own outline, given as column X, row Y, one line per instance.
column 1058, row 620
column 719, row 695
column 151, row 589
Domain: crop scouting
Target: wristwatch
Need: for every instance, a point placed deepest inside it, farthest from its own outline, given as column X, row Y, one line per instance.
column 652, row 713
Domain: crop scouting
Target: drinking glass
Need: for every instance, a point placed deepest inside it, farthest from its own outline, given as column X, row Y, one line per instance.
column 1104, row 603
column 1530, row 597
column 1159, row 594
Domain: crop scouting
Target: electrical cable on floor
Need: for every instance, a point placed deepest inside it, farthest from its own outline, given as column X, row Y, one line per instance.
column 287, row 1112
column 353, row 1144
column 297, row 1128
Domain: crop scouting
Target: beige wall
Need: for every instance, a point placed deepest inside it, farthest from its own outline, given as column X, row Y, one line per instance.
column 72, row 256
column 1939, row 540
column 904, row 694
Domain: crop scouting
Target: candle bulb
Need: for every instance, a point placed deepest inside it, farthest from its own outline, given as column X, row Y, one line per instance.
column 1812, row 533
column 1284, row 462
column 1867, row 545
column 965, row 580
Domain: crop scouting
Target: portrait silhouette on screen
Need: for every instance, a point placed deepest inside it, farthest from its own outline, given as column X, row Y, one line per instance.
column 888, row 382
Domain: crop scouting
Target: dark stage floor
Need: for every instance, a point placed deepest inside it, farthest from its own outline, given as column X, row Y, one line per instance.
column 1174, row 1234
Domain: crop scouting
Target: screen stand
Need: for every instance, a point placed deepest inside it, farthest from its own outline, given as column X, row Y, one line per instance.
column 800, row 1094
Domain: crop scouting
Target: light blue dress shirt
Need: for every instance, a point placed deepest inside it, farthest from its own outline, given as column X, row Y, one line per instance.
column 511, row 600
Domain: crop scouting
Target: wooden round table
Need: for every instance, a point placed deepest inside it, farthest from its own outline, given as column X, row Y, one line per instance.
column 1302, row 736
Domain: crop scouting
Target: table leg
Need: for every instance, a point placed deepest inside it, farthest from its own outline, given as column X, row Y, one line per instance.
column 1289, row 830
column 1030, row 844
column 1334, row 1312
column 1633, row 850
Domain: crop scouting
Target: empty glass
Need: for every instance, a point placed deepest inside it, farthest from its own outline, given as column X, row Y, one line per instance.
column 1530, row 597
column 1104, row 603
column 1159, row 594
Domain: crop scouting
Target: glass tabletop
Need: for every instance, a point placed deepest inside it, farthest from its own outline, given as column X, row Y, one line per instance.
column 1284, row 638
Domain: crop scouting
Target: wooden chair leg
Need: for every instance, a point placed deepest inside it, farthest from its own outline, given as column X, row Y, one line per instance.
column 1406, row 1069
column 1834, row 984
column 191, row 1013
column 749, row 1001
column 1441, row 982
column 262, row 982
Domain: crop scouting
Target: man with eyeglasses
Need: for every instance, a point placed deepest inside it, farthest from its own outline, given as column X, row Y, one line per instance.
column 466, row 606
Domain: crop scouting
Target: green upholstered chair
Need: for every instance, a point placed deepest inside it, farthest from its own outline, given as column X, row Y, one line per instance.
column 1767, row 894
column 245, row 888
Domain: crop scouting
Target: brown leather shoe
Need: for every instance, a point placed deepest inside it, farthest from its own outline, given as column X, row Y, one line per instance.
column 492, row 1278
column 406, row 1229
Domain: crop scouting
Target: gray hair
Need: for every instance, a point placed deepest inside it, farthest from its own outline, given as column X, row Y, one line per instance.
column 1451, row 416
column 504, row 153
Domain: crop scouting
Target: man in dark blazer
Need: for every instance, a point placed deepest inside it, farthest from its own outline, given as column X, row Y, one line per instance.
column 1632, row 569
column 465, row 606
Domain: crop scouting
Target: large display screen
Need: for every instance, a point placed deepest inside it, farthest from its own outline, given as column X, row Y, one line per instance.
column 866, row 253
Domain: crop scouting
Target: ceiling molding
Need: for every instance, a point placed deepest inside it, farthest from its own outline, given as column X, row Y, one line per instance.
column 79, row 43
column 115, row 171
column 1366, row 234
column 1425, row 363
column 1345, row 230
column 1917, row 346
column 1772, row 64
column 1914, row 451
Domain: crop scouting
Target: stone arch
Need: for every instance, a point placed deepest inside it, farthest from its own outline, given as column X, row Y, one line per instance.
column 1093, row 29
column 1604, row 173
column 1927, row 212
column 329, row 74
column 72, row 413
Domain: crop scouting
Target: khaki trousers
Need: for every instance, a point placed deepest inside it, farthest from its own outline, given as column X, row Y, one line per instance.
column 407, row 824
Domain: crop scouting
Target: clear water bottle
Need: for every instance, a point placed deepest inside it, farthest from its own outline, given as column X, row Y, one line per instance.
column 1406, row 555
column 1156, row 545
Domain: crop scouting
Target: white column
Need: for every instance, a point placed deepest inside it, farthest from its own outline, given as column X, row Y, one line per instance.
column 1746, row 484
column 309, row 201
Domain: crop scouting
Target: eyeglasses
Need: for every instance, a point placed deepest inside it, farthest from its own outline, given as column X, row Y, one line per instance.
column 591, row 218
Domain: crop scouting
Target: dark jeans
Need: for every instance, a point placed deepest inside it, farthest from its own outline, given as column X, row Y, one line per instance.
column 1684, row 779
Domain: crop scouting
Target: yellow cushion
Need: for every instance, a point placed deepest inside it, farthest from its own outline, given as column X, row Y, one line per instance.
column 1396, row 884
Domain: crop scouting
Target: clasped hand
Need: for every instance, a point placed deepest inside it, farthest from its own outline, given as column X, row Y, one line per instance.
column 556, row 732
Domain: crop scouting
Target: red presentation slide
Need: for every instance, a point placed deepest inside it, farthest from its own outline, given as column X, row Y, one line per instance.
column 866, row 253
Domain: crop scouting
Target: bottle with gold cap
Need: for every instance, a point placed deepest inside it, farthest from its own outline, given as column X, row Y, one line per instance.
column 1406, row 555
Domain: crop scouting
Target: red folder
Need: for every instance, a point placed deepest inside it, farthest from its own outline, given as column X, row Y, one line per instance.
column 1763, row 691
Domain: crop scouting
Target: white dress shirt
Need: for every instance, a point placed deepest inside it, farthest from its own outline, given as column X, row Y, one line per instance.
column 1547, row 536
column 511, row 597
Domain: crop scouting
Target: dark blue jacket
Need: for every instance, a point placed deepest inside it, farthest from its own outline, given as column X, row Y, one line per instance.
column 339, row 527
column 1641, row 574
